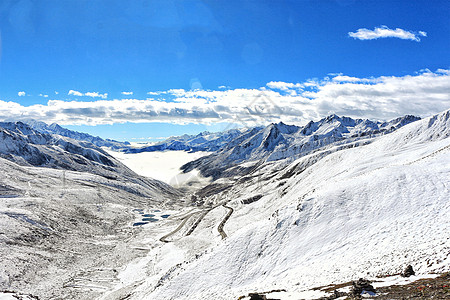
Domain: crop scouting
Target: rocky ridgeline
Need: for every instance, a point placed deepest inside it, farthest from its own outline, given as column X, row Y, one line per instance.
column 280, row 141
column 79, row 136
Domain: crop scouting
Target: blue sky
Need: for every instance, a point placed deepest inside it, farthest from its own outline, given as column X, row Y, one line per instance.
column 206, row 63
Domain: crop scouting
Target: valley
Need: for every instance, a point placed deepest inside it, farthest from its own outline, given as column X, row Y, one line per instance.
column 281, row 208
column 224, row 150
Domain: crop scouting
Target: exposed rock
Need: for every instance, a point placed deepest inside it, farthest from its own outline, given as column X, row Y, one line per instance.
column 255, row 296
column 408, row 271
column 252, row 199
column 361, row 286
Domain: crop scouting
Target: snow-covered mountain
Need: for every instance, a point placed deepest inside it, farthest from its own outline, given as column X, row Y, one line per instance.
column 67, row 210
column 204, row 141
column 79, row 136
column 330, row 216
column 28, row 147
column 280, row 141
column 59, row 228
column 294, row 208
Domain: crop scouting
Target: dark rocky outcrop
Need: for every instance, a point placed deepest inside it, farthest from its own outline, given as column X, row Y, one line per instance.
column 255, row 296
column 408, row 271
column 362, row 285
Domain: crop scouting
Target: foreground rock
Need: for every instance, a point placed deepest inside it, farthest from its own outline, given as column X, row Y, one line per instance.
column 363, row 286
column 408, row 272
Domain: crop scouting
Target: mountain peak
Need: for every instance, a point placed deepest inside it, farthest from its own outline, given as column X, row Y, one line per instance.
column 332, row 117
column 285, row 128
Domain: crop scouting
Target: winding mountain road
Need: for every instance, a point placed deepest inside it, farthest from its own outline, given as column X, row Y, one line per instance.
column 198, row 222
column 225, row 219
column 185, row 219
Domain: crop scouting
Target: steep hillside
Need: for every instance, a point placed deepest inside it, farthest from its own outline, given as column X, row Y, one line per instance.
column 358, row 203
column 67, row 212
column 58, row 228
column 356, row 212
column 23, row 145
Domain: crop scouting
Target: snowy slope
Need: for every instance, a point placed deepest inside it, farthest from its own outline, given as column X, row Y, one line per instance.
column 23, row 145
column 354, row 212
column 355, row 204
column 63, row 233
column 67, row 213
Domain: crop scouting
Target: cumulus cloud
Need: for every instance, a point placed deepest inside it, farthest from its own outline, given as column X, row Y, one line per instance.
column 344, row 78
column 385, row 32
column 284, row 86
column 88, row 94
column 21, row 94
column 95, row 95
column 75, row 93
column 127, row 93
column 381, row 98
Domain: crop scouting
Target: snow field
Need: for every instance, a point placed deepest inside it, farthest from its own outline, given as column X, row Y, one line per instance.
column 365, row 211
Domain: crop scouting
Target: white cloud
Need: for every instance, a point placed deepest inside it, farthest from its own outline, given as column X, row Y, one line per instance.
column 177, row 92
column 344, row 78
column 21, row 94
column 284, row 86
column 88, row 94
column 96, row 95
column 382, row 98
column 42, row 95
column 75, row 93
column 422, row 33
column 127, row 93
column 385, row 32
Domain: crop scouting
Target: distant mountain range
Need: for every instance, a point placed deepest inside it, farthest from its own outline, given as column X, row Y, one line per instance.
column 332, row 127
column 312, row 135
column 286, row 209
column 279, row 141
column 80, row 136
column 256, row 145
column 205, row 141
column 229, row 149
column 26, row 146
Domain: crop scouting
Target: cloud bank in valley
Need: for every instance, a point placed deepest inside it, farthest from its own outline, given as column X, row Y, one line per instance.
column 380, row 98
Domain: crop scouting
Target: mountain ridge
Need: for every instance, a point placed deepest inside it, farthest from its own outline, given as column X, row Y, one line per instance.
column 352, row 201
column 278, row 141
column 359, row 211
column 54, row 128
column 22, row 144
